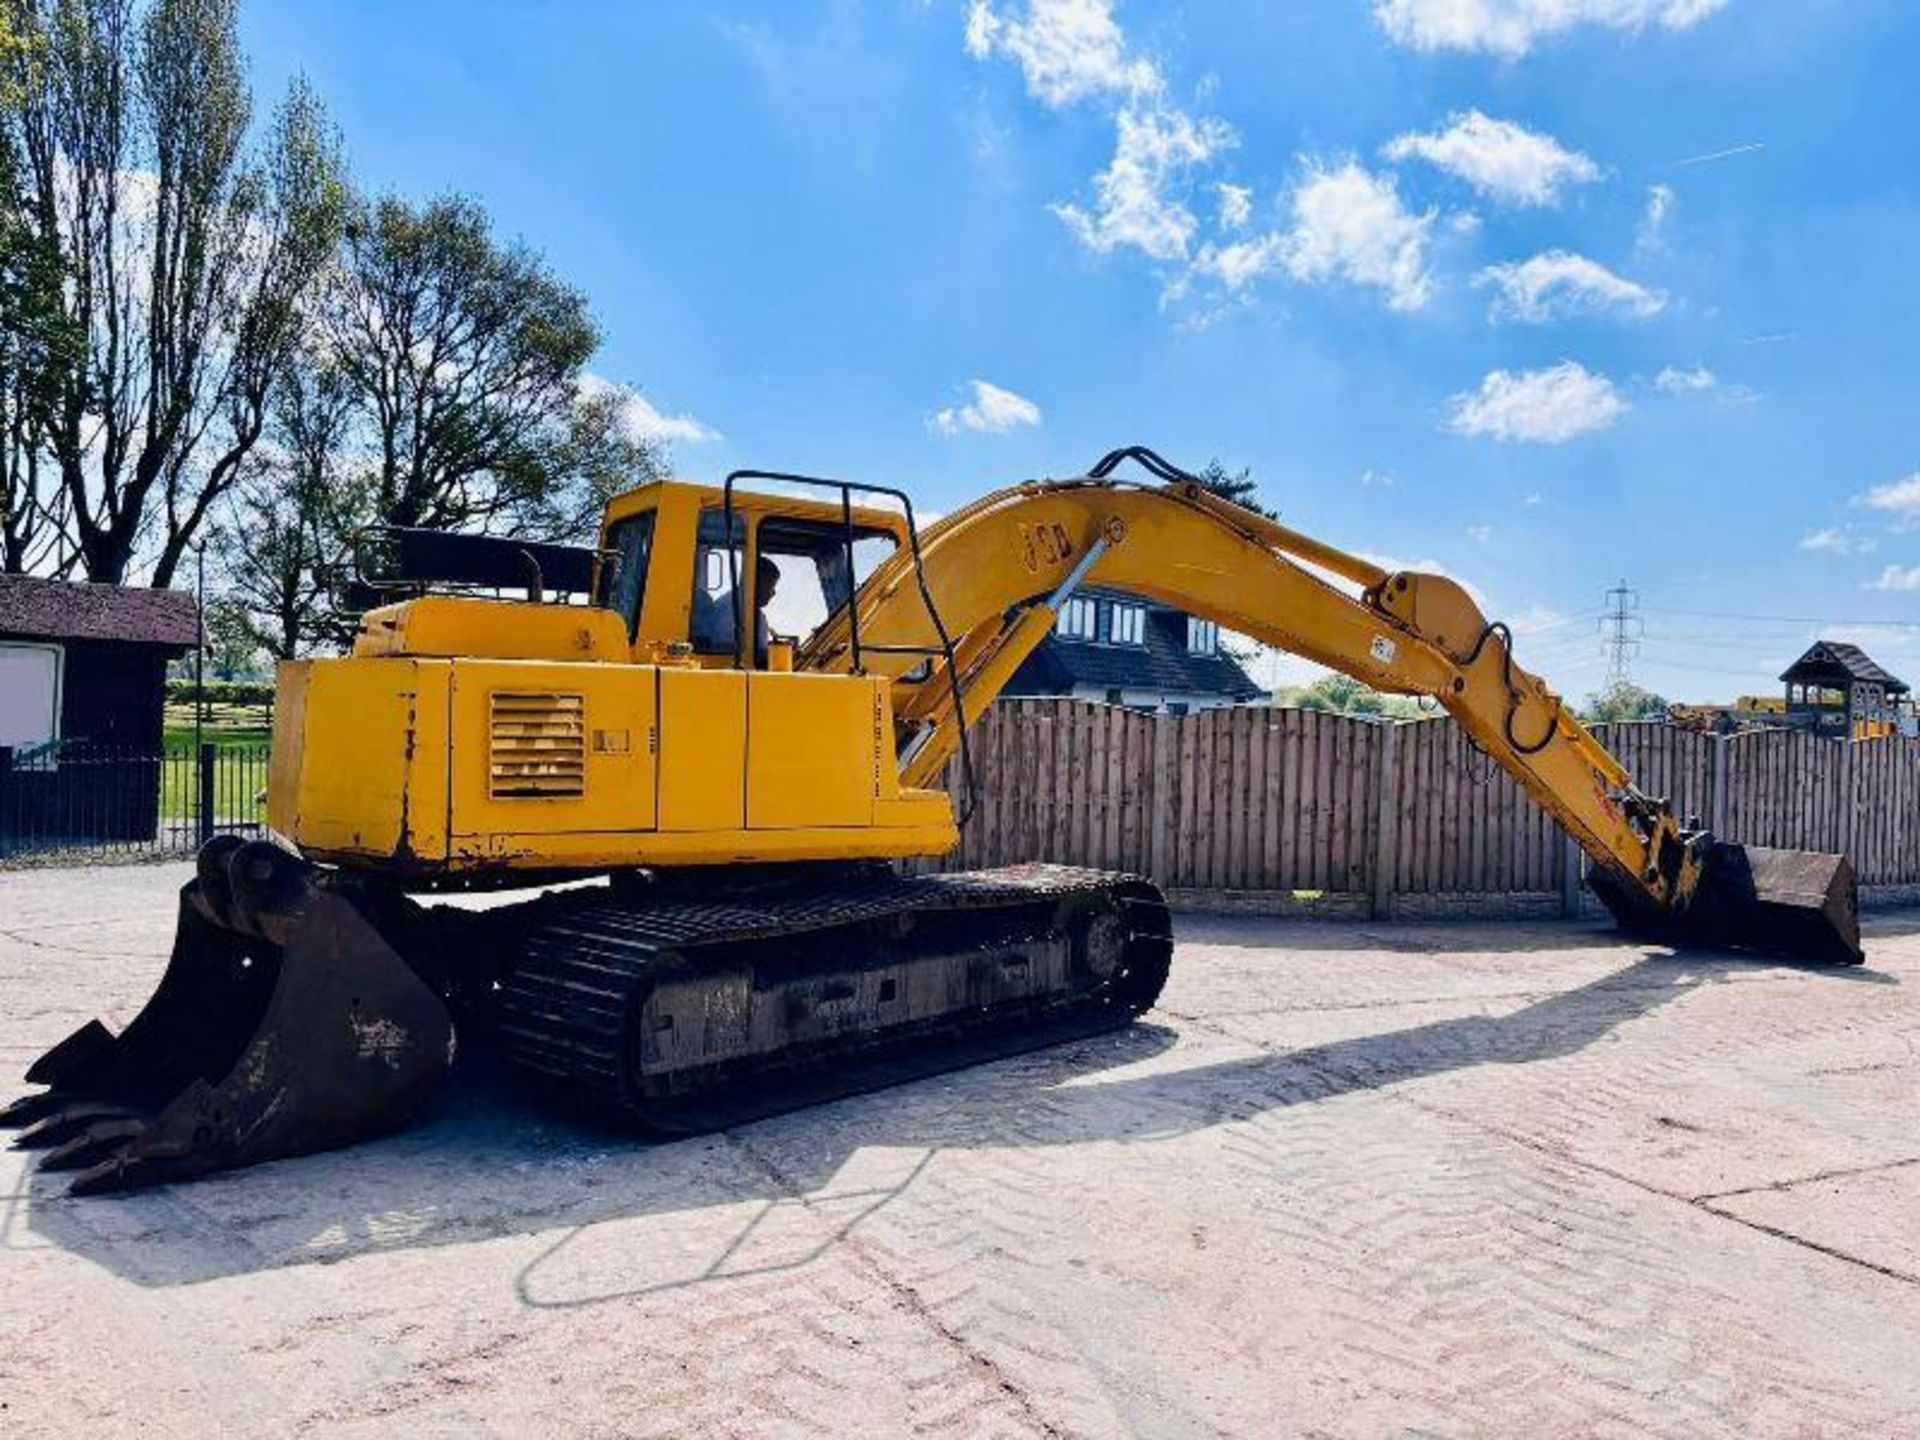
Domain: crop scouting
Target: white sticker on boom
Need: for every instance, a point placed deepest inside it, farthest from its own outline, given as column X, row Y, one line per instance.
column 1383, row 649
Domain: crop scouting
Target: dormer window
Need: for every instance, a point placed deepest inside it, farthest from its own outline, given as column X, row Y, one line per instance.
column 1079, row 620
column 1203, row 636
column 1127, row 624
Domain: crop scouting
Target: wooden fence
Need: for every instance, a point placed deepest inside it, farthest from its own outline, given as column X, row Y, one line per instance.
column 1295, row 810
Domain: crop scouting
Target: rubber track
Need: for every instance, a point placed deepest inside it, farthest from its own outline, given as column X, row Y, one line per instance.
column 590, row 961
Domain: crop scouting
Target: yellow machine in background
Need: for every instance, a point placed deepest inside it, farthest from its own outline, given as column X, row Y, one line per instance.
column 741, row 726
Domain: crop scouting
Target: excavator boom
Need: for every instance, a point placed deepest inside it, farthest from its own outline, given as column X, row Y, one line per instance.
column 999, row 571
column 742, row 797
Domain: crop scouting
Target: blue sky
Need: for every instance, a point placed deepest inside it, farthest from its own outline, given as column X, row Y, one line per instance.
column 1544, row 302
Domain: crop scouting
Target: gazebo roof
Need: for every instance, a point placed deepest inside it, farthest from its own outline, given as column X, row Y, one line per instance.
column 1834, row 663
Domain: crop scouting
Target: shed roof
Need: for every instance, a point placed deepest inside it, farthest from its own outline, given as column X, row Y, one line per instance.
column 1834, row 662
column 1162, row 664
column 68, row 610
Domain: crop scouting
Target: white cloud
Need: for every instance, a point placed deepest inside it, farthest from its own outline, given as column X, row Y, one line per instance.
column 1393, row 565
column 1236, row 205
column 1498, row 158
column 1896, row 577
column 1653, row 224
column 1685, row 382
column 641, row 419
column 1377, row 479
column 1348, row 224
column 1136, row 198
column 1244, row 261
column 1545, row 406
column 1837, row 540
column 1537, row 618
column 1899, row 498
column 994, row 411
column 1480, row 534
column 1559, row 282
column 1510, row 27
column 1067, row 49
column 1533, row 500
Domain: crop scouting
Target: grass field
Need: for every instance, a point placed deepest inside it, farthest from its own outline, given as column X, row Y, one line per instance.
column 240, row 734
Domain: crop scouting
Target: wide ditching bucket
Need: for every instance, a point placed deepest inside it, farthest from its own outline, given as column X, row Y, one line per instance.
column 1795, row 904
column 285, row 1023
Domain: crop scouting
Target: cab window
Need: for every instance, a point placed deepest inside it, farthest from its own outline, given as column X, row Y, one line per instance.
column 631, row 540
column 710, row 626
column 809, row 565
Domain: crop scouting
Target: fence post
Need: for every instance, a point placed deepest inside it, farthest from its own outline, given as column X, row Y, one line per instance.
column 205, row 818
column 6, row 787
column 1844, row 798
column 1571, row 860
column 1717, row 786
column 1160, row 817
column 1385, row 803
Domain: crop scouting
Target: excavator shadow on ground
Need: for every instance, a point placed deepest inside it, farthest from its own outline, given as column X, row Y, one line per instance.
column 494, row 1161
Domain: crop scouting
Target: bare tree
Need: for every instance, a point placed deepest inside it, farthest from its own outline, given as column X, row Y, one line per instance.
column 289, row 522
column 185, row 257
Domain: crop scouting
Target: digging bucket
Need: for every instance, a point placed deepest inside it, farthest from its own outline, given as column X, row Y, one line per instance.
column 285, row 1023
column 1795, row 904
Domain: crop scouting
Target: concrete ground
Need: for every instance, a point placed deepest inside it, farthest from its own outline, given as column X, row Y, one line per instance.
column 1350, row 1179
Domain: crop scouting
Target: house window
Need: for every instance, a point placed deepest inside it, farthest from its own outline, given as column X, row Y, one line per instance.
column 1203, row 637
column 29, row 695
column 1127, row 625
column 1079, row 620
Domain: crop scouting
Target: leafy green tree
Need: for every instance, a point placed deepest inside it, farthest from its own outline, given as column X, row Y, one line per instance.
column 466, row 358
column 185, row 253
column 1237, row 486
column 1624, row 701
column 233, row 647
column 1343, row 695
column 38, row 342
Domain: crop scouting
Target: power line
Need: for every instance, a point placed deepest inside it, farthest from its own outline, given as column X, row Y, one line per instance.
column 1779, row 619
column 1751, row 673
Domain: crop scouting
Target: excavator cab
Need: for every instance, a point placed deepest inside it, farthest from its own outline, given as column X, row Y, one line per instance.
column 689, row 562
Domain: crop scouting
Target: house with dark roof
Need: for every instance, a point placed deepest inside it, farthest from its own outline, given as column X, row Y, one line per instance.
column 82, row 700
column 1837, row 689
column 1121, row 649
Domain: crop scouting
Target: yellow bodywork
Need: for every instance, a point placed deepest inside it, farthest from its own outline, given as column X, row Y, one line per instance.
column 468, row 735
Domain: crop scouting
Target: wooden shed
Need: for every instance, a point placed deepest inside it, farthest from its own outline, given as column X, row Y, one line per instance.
column 82, row 702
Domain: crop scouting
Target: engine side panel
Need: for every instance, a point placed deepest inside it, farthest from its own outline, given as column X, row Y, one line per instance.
column 437, row 768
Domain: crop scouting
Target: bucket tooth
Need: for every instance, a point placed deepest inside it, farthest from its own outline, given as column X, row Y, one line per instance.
column 92, row 1145
column 294, row 1027
column 65, row 1122
column 29, row 1108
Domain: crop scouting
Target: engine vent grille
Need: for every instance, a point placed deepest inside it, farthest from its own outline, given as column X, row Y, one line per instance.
column 537, row 746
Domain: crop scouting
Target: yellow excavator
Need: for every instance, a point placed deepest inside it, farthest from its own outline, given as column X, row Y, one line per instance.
column 735, row 726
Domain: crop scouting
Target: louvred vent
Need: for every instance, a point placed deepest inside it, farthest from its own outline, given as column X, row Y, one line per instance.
column 538, row 746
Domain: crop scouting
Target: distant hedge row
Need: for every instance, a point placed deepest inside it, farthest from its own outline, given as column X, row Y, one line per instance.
column 222, row 692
